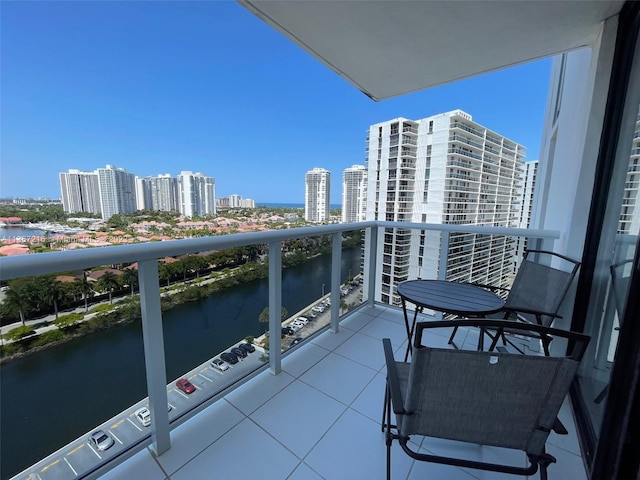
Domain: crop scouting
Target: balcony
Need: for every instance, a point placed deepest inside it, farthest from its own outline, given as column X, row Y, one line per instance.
column 328, row 384
column 319, row 418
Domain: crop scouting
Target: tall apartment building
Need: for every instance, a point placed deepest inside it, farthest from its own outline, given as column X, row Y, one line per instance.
column 444, row 169
column 196, row 194
column 316, row 195
column 164, row 193
column 117, row 191
column 143, row 193
column 630, row 210
column 80, row 191
column 354, row 194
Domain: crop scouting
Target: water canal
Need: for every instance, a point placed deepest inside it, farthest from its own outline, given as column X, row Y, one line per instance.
column 52, row 397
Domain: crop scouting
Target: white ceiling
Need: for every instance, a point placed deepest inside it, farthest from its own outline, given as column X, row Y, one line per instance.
column 388, row 48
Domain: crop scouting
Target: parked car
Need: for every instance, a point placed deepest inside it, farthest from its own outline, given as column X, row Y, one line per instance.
column 144, row 416
column 220, row 365
column 318, row 308
column 101, row 440
column 229, row 357
column 287, row 331
column 310, row 315
column 239, row 352
column 247, row 347
column 186, row 386
column 296, row 341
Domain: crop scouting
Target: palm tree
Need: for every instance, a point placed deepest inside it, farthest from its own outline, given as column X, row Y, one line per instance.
column 130, row 277
column 51, row 292
column 108, row 282
column 18, row 300
column 83, row 287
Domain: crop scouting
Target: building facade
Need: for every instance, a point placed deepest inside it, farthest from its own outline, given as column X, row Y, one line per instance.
column 316, row 195
column 196, row 194
column 444, row 169
column 80, row 191
column 354, row 194
column 117, row 191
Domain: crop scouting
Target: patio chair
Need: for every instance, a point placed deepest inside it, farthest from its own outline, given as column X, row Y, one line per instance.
column 620, row 278
column 483, row 398
column 536, row 294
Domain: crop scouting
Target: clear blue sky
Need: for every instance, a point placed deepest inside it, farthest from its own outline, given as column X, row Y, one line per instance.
column 160, row 87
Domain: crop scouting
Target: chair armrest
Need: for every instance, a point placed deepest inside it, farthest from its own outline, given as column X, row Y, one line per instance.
column 516, row 310
column 493, row 288
column 393, row 382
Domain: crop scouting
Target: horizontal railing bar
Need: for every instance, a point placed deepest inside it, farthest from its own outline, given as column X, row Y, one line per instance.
column 43, row 263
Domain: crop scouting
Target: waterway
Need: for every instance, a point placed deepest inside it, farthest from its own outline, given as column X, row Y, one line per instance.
column 20, row 232
column 52, row 397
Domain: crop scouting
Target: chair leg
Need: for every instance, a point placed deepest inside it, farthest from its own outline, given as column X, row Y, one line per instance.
column 453, row 334
column 384, row 408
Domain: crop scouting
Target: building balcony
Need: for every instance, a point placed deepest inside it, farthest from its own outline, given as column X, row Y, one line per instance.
column 298, row 414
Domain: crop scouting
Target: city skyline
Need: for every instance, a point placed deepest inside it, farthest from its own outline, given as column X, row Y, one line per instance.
column 208, row 86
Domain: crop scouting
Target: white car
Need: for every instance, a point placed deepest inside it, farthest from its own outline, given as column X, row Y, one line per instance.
column 101, row 440
column 318, row 308
column 144, row 416
column 219, row 365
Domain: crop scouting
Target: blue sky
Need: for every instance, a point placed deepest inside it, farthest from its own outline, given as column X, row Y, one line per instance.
column 160, row 87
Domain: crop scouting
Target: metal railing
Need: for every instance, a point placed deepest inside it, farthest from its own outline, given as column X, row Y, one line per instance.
column 148, row 254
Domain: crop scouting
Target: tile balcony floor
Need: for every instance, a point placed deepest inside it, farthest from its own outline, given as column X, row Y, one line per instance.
column 320, row 419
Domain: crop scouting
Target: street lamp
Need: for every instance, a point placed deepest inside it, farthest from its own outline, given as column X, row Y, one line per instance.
column 323, row 289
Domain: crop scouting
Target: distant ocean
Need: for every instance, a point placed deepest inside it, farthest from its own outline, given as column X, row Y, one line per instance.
column 293, row 205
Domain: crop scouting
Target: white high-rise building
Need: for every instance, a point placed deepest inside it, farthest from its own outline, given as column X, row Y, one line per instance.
column 316, row 195
column 196, row 194
column 530, row 173
column 143, row 193
column 117, row 191
column 164, row 193
column 235, row 200
column 630, row 210
column 445, row 169
column 354, row 194
column 79, row 191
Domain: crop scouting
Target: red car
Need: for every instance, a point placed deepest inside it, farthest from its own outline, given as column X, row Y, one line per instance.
column 185, row 385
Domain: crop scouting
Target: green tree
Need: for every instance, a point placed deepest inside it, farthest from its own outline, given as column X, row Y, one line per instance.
column 130, row 278
column 51, row 291
column 117, row 221
column 166, row 271
column 264, row 315
column 83, row 287
column 108, row 282
column 19, row 298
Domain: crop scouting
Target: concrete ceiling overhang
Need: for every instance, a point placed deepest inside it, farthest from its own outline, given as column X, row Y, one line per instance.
column 388, row 48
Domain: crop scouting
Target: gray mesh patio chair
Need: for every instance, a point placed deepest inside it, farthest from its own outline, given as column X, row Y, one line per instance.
column 620, row 278
column 537, row 292
column 486, row 398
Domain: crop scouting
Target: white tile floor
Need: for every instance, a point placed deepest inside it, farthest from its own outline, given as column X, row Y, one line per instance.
column 320, row 419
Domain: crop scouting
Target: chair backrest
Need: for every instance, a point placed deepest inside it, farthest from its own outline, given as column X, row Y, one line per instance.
column 487, row 398
column 540, row 286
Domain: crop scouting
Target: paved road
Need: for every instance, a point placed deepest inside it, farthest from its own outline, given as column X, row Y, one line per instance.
column 81, row 456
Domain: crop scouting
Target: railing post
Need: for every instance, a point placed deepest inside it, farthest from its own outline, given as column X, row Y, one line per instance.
column 444, row 256
column 275, row 306
column 154, row 359
column 370, row 266
column 336, row 270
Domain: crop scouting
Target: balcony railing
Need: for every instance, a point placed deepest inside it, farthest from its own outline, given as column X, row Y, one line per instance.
column 147, row 255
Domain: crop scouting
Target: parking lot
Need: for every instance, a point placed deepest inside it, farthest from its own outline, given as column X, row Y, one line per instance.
column 126, row 429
